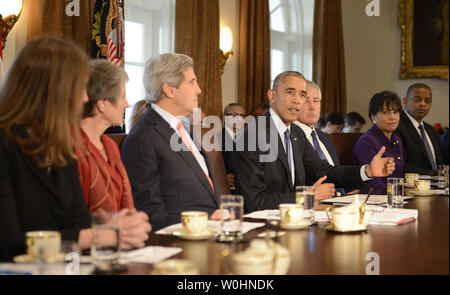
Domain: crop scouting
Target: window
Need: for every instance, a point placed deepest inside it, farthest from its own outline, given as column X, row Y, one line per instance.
column 291, row 33
column 149, row 31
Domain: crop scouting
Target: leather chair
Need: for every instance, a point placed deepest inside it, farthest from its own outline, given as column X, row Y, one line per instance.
column 344, row 143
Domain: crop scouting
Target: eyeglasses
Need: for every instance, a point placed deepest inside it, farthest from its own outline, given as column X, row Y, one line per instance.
column 234, row 114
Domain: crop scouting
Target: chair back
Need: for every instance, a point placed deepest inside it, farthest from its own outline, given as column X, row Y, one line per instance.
column 344, row 143
column 117, row 137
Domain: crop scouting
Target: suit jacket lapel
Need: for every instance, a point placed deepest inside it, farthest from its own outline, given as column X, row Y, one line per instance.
column 281, row 151
column 329, row 146
column 413, row 132
column 164, row 129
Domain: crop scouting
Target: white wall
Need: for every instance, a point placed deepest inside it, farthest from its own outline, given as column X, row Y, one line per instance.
column 373, row 53
column 229, row 16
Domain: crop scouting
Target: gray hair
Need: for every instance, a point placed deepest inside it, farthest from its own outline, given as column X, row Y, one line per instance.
column 165, row 68
column 312, row 85
column 280, row 78
column 105, row 82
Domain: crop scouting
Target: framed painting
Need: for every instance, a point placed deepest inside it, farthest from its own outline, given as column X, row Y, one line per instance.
column 424, row 26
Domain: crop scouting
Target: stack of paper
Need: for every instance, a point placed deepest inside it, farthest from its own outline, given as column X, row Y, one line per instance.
column 212, row 225
column 373, row 199
column 387, row 216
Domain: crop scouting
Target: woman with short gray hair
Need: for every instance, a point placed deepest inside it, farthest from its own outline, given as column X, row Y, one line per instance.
column 103, row 177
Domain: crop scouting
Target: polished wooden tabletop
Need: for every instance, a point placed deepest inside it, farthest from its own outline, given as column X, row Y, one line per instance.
column 419, row 247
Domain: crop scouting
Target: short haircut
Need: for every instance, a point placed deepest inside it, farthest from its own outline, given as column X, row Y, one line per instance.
column 333, row 118
column 227, row 108
column 165, row 68
column 388, row 98
column 105, row 82
column 411, row 88
column 353, row 117
column 312, row 85
column 280, row 78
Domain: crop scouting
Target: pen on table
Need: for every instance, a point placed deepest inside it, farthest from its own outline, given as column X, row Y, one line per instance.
column 13, row 272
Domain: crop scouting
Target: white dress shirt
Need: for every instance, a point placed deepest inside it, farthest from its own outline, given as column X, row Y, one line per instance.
column 308, row 131
column 281, row 127
column 173, row 122
column 416, row 125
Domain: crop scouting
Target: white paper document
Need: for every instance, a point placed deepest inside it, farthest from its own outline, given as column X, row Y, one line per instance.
column 373, row 199
column 212, row 225
column 151, row 254
column 381, row 215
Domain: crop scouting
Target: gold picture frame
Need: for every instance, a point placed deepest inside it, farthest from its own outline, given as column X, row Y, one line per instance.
column 409, row 66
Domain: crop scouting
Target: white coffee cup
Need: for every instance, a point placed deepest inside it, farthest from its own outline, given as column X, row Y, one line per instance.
column 422, row 185
column 350, row 217
column 194, row 222
column 43, row 242
column 411, row 177
column 291, row 214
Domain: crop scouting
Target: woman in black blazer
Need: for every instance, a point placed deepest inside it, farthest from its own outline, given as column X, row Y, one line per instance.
column 40, row 101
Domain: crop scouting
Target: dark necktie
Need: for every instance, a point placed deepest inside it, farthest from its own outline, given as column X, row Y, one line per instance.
column 317, row 146
column 427, row 147
column 287, row 143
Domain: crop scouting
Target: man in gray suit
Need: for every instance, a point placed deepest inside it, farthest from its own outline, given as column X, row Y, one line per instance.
column 168, row 171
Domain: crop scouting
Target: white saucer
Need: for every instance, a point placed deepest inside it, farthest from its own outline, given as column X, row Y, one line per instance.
column 295, row 226
column 427, row 193
column 331, row 227
column 25, row 258
column 206, row 234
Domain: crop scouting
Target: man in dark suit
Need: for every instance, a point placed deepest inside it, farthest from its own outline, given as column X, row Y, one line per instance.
column 233, row 119
column 168, row 171
column 320, row 142
column 420, row 142
column 267, row 173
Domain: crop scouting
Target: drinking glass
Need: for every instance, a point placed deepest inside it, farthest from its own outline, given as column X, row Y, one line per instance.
column 304, row 196
column 395, row 194
column 232, row 207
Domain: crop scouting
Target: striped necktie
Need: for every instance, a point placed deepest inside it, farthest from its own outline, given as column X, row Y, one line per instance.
column 427, row 147
column 317, row 146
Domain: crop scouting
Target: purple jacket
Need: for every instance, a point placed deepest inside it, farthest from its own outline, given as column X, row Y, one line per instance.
column 368, row 146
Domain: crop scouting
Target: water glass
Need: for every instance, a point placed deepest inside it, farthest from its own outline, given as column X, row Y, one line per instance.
column 232, row 207
column 395, row 192
column 443, row 177
column 105, row 241
column 304, row 196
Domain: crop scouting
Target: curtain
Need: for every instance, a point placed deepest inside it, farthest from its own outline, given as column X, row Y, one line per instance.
column 328, row 56
column 197, row 34
column 254, row 53
column 49, row 17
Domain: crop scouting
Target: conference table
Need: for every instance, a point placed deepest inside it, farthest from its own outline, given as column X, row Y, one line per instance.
column 418, row 247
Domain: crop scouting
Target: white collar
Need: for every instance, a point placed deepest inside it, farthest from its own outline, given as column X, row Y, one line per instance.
column 413, row 121
column 305, row 128
column 281, row 127
column 169, row 118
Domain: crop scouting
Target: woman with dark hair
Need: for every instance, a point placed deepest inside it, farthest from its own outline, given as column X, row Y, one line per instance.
column 331, row 123
column 41, row 100
column 384, row 111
